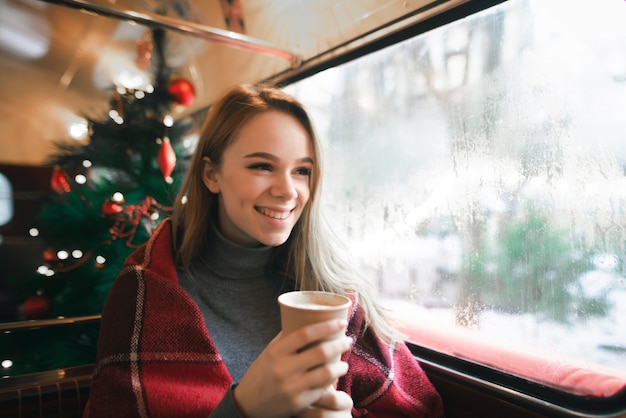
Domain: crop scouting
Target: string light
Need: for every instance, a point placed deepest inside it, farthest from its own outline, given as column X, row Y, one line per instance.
column 78, row 130
column 190, row 141
column 117, row 118
column 45, row 271
column 33, row 232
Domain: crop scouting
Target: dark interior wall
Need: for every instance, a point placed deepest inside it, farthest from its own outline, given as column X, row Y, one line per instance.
column 31, row 187
column 19, row 252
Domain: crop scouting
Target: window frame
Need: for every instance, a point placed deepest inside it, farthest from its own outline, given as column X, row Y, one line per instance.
column 9, row 204
column 519, row 390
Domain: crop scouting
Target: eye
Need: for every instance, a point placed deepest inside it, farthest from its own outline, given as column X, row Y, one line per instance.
column 260, row 166
column 304, row 171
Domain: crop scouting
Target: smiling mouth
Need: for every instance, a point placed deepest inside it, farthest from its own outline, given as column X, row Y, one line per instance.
column 273, row 214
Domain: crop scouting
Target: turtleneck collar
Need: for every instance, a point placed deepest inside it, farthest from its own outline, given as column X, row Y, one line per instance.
column 228, row 260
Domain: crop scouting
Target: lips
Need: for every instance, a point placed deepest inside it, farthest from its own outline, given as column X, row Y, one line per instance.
column 274, row 213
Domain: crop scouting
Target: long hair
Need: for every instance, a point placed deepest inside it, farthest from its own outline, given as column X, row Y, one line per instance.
column 313, row 256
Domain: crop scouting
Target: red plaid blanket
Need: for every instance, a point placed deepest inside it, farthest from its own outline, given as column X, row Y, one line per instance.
column 156, row 358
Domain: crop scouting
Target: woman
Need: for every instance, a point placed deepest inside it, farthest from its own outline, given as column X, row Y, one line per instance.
column 191, row 327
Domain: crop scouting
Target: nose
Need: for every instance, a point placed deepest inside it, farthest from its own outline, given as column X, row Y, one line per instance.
column 284, row 187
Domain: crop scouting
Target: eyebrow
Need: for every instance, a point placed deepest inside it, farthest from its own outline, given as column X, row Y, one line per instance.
column 272, row 157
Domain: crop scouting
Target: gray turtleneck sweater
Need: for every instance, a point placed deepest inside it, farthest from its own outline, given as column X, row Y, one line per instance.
column 237, row 298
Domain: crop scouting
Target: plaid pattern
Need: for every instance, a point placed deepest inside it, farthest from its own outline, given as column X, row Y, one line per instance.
column 65, row 397
column 156, row 358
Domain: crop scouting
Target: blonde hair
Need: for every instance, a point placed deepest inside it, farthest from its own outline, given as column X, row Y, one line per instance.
column 313, row 256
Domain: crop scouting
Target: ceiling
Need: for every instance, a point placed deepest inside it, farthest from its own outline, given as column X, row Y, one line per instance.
column 59, row 63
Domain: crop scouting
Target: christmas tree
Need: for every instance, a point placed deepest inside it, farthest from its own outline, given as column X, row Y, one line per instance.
column 109, row 195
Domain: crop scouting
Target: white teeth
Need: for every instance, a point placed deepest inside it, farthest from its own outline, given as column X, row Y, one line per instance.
column 273, row 214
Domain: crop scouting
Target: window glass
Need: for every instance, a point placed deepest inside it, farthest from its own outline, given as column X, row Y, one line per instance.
column 6, row 200
column 477, row 171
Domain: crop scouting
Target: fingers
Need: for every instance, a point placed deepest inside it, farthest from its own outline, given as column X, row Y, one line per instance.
column 286, row 378
column 311, row 334
column 331, row 404
column 324, row 352
column 334, row 400
column 315, row 365
column 324, row 375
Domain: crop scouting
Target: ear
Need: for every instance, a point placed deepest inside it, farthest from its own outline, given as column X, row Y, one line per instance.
column 210, row 175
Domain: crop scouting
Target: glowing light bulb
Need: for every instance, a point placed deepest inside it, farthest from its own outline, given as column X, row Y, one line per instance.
column 79, row 129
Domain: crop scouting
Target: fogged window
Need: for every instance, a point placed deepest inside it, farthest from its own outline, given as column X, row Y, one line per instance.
column 478, row 171
column 6, row 201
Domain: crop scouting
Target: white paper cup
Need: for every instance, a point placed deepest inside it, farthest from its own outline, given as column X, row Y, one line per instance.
column 300, row 308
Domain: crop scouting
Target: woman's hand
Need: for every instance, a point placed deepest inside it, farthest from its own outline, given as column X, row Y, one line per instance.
column 285, row 378
column 332, row 404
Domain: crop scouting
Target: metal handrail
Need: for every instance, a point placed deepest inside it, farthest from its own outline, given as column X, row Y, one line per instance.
column 46, row 377
column 229, row 38
column 8, row 327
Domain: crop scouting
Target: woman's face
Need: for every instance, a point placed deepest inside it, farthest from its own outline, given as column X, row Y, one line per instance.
column 263, row 180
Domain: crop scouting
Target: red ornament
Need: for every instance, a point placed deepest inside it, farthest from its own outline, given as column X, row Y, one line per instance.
column 166, row 158
column 182, row 91
column 110, row 208
column 49, row 255
column 59, row 182
column 37, row 307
